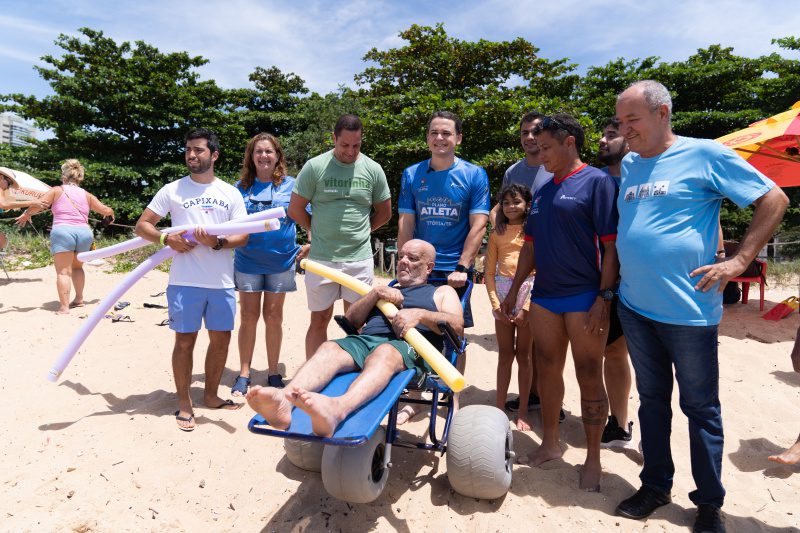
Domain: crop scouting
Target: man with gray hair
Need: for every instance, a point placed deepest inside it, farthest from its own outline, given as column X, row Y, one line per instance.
column 671, row 290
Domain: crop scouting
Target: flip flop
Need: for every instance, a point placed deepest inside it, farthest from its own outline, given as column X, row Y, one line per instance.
column 73, row 305
column 240, row 385
column 228, row 405
column 189, row 419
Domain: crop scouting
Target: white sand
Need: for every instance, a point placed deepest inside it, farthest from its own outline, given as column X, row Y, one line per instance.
column 100, row 451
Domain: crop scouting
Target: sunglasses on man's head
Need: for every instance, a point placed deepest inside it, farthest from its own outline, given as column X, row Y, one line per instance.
column 551, row 124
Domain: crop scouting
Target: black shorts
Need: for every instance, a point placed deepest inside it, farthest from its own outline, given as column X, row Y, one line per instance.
column 614, row 326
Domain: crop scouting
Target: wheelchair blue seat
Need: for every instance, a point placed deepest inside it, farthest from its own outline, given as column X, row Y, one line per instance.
column 357, row 428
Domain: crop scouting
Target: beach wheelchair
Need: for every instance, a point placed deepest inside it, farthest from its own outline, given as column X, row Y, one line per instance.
column 355, row 462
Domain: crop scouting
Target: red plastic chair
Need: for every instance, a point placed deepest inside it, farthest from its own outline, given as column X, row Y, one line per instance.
column 761, row 280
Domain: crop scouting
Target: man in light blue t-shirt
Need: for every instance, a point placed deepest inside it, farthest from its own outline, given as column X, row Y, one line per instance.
column 671, row 289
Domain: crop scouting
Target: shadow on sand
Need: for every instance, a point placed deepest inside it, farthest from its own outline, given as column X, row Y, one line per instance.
column 155, row 403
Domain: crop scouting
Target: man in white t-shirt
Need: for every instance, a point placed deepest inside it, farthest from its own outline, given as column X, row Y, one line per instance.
column 201, row 287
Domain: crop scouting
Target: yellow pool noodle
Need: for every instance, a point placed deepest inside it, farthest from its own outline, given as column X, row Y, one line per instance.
column 424, row 348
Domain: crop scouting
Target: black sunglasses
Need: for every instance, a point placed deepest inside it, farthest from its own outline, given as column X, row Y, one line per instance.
column 551, row 124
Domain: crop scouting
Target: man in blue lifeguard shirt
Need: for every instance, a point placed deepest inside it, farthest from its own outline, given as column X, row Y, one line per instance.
column 671, row 290
column 569, row 239
column 444, row 200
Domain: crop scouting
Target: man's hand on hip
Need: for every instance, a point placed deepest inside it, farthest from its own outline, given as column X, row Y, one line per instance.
column 718, row 273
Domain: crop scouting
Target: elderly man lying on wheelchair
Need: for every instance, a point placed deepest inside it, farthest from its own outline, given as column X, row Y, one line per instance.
column 379, row 351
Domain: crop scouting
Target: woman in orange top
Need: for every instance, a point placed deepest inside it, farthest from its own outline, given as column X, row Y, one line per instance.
column 513, row 333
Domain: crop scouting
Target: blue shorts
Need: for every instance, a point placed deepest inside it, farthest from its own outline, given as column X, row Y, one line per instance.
column 70, row 239
column 577, row 303
column 190, row 306
column 281, row 282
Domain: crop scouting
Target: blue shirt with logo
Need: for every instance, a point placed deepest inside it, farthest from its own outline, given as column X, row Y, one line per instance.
column 268, row 252
column 441, row 202
column 668, row 216
column 568, row 221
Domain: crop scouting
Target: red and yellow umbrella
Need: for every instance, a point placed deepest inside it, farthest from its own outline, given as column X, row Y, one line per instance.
column 772, row 146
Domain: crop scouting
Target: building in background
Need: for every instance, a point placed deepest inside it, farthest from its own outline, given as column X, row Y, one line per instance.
column 14, row 130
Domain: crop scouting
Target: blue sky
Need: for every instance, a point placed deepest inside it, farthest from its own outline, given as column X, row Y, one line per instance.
column 323, row 41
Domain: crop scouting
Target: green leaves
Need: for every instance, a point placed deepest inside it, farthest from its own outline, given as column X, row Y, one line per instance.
column 123, row 108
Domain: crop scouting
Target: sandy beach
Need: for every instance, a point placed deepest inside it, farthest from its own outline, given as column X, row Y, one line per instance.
column 100, row 451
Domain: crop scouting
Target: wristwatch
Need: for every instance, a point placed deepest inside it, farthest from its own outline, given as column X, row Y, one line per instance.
column 606, row 294
column 220, row 243
column 460, row 268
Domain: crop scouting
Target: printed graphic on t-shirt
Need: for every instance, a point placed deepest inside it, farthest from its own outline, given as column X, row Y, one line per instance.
column 630, row 194
column 644, row 191
column 660, row 188
column 206, row 204
column 345, row 186
column 438, row 211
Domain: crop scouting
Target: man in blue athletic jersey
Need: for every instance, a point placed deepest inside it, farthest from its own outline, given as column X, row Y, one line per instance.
column 444, row 200
column 570, row 236
column 671, row 290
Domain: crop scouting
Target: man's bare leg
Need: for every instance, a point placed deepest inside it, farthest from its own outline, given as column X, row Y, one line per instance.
column 182, row 373
column 327, row 413
column 551, row 341
column 275, row 405
column 587, row 352
column 617, row 374
column 216, row 357
column 317, row 330
column 790, row 456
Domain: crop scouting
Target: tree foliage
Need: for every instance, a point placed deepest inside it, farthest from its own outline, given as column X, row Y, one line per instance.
column 123, row 108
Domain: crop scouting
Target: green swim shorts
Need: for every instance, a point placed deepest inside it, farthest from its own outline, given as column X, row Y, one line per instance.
column 361, row 346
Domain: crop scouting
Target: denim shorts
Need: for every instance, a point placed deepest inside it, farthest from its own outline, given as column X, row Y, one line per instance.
column 280, row 282
column 70, row 239
column 190, row 306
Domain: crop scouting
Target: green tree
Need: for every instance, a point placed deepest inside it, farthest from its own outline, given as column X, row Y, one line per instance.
column 488, row 84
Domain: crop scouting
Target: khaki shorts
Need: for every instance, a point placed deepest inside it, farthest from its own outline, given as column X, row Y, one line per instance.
column 323, row 293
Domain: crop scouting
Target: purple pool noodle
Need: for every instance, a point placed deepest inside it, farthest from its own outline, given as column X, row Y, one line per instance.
column 138, row 242
column 232, row 227
column 102, row 308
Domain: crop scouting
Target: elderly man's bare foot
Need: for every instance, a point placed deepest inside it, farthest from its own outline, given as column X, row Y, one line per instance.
column 323, row 411
column 789, row 457
column 590, row 477
column 63, row 311
column 542, row 455
column 272, row 404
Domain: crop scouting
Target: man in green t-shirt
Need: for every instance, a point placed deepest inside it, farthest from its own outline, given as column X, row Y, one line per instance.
column 349, row 198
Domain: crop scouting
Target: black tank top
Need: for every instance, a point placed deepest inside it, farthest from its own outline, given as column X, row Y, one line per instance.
column 417, row 297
